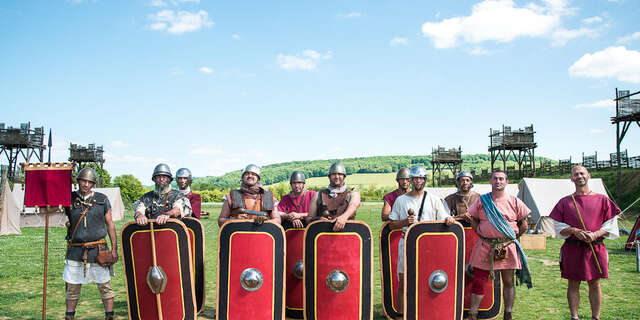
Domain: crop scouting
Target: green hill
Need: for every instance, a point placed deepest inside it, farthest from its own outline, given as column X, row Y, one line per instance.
column 275, row 173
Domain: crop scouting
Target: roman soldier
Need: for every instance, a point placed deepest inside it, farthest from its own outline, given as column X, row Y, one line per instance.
column 402, row 178
column 184, row 179
column 458, row 203
column 251, row 201
column 89, row 223
column 336, row 202
column 162, row 202
column 294, row 206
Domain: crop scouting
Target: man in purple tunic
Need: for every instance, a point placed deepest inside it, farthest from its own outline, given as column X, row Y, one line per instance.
column 294, row 206
column 597, row 213
column 402, row 178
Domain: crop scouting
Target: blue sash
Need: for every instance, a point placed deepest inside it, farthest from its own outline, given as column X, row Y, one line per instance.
column 501, row 224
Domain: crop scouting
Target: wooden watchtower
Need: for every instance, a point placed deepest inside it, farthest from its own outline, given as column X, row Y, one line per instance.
column 19, row 145
column 519, row 145
column 445, row 159
column 85, row 156
column 627, row 112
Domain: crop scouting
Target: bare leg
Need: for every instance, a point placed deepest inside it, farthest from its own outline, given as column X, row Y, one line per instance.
column 71, row 305
column 508, row 289
column 595, row 297
column 474, row 304
column 108, row 305
column 400, row 296
column 573, row 297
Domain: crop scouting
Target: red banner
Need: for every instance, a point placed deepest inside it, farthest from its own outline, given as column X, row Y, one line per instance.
column 47, row 186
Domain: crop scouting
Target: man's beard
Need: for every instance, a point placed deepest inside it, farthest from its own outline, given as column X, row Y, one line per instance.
column 162, row 187
column 418, row 188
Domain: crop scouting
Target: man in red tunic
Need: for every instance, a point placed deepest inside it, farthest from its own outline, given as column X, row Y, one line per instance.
column 183, row 179
column 294, row 206
column 583, row 233
column 402, row 178
column 494, row 251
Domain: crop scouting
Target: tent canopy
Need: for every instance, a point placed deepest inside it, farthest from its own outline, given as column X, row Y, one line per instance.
column 9, row 212
column 541, row 195
column 512, row 189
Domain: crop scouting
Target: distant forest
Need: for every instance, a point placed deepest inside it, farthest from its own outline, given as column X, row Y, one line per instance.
column 280, row 172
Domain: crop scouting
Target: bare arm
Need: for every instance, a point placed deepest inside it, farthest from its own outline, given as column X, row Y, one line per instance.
column 111, row 230
column 225, row 213
column 386, row 210
column 399, row 224
column 275, row 216
column 313, row 208
column 523, row 226
column 348, row 213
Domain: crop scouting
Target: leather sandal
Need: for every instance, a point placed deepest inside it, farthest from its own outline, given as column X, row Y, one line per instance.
column 507, row 316
column 473, row 316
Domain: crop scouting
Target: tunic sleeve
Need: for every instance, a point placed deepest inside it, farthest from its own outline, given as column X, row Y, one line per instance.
column 610, row 209
column 611, row 227
column 523, row 210
column 558, row 210
column 395, row 211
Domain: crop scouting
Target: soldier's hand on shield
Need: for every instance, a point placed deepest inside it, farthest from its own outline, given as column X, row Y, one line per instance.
column 467, row 217
column 242, row 216
column 339, row 223
column 162, row 219
column 449, row 220
column 141, row 220
column 297, row 223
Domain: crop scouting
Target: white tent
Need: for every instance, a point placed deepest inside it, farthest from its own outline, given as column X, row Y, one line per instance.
column 9, row 212
column 512, row 189
column 29, row 218
column 541, row 195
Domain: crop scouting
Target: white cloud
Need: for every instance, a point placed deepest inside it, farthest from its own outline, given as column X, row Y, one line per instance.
column 308, row 60
column 398, row 41
column 206, row 70
column 179, row 22
column 235, row 36
column 597, row 104
column 205, row 150
column 119, row 144
column 630, row 37
column 349, row 15
column 592, row 20
column 503, row 21
column 158, row 3
column 613, row 62
column 194, row 1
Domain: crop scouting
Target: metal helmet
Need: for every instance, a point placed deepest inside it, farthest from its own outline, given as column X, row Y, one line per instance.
column 418, row 172
column 162, row 169
column 464, row 174
column 183, row 173
column 337, row 167
column 297, row 176
column 403, row 173
column 252, row 168
column 88, row 174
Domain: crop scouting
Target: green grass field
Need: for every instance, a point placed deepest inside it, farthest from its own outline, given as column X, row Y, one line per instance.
column 362, row 180
column 21, row 265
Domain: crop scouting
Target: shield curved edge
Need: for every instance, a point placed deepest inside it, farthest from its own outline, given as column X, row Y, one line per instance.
column 251, row 270
column 434, row 270
column 389, row 240
column 178, row 298
column 196, row 235
column 334, row 275
column 491, row 304
column 294, row 299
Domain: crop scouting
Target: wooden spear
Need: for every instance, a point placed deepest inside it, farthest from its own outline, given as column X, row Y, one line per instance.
column 585, row 229
column 155, row 263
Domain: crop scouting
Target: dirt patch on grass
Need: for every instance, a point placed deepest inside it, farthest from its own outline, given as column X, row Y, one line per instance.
column 545, row 262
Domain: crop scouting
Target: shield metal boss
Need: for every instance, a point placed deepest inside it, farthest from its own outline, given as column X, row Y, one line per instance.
column 338, row 271
column 196, row 237
column 389, row 240
column 295, row 270
column 434, row 271
column 491, row 303
column 173, row 256
column 251, row 270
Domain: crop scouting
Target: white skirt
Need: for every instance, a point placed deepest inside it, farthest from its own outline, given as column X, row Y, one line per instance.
column 73, row 273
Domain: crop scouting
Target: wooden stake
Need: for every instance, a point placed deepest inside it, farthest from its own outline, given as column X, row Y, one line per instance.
column 46, row 252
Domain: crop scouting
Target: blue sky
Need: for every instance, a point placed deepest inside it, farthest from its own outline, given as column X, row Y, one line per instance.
column 214, row 85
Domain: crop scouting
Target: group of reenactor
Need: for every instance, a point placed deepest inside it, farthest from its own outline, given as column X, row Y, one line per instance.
column 497, row 218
